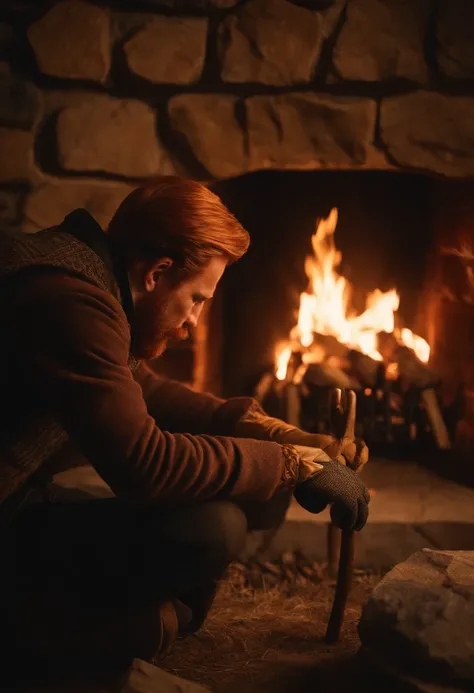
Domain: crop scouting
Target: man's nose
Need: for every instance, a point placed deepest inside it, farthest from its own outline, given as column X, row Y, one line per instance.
column 194, row 315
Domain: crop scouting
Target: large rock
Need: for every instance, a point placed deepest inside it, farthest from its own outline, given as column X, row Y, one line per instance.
column 303, row 130
column 383, row 39
column 455, row 34
column 53, row 199
column 146, row 678
column 110, row 135
column 72, row 40
column 428, row 131
column 420, row 617
column 209, row 125
column 16, row 155
column 390, row 678
column 271, row 42
column 168, row 50
column 19, row 100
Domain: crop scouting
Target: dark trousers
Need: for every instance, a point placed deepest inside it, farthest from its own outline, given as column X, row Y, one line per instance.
column 88, row 578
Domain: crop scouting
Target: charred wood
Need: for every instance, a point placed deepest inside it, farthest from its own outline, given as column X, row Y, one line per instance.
column 331, row 345
column 326, row 375
column 433, row 413
column 263, row 387
column 368, row 371
column 411, row 370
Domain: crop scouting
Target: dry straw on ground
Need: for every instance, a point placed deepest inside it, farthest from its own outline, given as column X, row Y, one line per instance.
column 265, row 633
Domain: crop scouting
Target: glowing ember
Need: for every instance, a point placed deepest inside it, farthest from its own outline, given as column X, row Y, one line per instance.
column 325, row 309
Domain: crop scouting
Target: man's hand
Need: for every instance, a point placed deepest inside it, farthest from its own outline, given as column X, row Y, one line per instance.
column 336, row 485
column 353, row 452
column 350, row 451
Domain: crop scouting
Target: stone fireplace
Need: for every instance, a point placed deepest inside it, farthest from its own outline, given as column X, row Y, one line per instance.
column 366, row 105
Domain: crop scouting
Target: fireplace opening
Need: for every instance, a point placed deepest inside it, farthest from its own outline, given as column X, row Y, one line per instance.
column 396, row 232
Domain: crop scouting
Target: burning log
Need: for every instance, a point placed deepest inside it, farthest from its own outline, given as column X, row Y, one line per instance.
column 326, row 375
column 415, row 373
column 330, row 345
column 410, row 369
column 436, row 420
column 366, row 369
column 264, row 386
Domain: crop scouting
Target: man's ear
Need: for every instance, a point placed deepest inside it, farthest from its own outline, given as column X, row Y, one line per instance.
column 156, row 271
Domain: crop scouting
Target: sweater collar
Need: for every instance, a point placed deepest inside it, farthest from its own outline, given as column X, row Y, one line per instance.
column 86, row 229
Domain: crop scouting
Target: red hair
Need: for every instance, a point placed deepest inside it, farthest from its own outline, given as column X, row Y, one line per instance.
column 174, row 217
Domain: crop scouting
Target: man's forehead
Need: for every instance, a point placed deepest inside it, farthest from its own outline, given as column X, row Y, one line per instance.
column 207, row 277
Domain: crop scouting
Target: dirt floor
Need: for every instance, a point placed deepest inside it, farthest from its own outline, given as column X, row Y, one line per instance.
column 265, row 633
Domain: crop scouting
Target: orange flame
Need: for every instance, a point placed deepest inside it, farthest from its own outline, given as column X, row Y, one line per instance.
column 324, row 308
column 419, row 345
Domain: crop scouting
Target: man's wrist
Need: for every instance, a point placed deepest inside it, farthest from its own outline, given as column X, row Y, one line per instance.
column 307, row 469
column 291, row 466
column 311, row 461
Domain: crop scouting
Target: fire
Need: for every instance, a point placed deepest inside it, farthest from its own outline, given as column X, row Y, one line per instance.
column 418, row 344
column 325, row 308
column 282, row 359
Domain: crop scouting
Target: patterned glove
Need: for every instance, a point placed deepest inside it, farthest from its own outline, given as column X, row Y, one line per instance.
column 338, row 486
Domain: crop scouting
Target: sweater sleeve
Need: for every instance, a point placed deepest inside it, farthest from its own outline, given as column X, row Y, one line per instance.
column 73, row 340
column 177, row 408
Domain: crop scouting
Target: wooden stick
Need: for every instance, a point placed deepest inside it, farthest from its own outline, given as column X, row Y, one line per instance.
column 333, row 548
column 343, row 586
column 346, row 556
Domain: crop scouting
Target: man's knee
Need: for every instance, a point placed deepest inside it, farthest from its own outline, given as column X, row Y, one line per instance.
column 224, row 528
column 267, row 515
column 197, row 542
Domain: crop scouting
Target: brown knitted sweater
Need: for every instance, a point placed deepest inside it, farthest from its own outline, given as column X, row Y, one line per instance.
column 69, row 375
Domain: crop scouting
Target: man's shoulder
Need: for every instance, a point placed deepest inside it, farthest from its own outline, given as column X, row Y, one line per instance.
column 70, row 312
column 47, row 286
column 77, row 246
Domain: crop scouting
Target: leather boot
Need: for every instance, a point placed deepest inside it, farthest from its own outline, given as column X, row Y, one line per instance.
column 96, row 634
column 199, row 600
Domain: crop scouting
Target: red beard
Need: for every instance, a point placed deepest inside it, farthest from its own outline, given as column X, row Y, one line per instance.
column 150, row 336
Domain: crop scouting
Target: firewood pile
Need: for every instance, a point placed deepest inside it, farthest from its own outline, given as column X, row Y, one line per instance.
column 398, row 398
column 289, row 573
column 333, row 345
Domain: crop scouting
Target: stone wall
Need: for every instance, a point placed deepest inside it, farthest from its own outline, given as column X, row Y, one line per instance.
column 95, row 96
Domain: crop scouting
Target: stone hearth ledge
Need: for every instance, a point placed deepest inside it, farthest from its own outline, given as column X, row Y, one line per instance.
column 412, row 508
